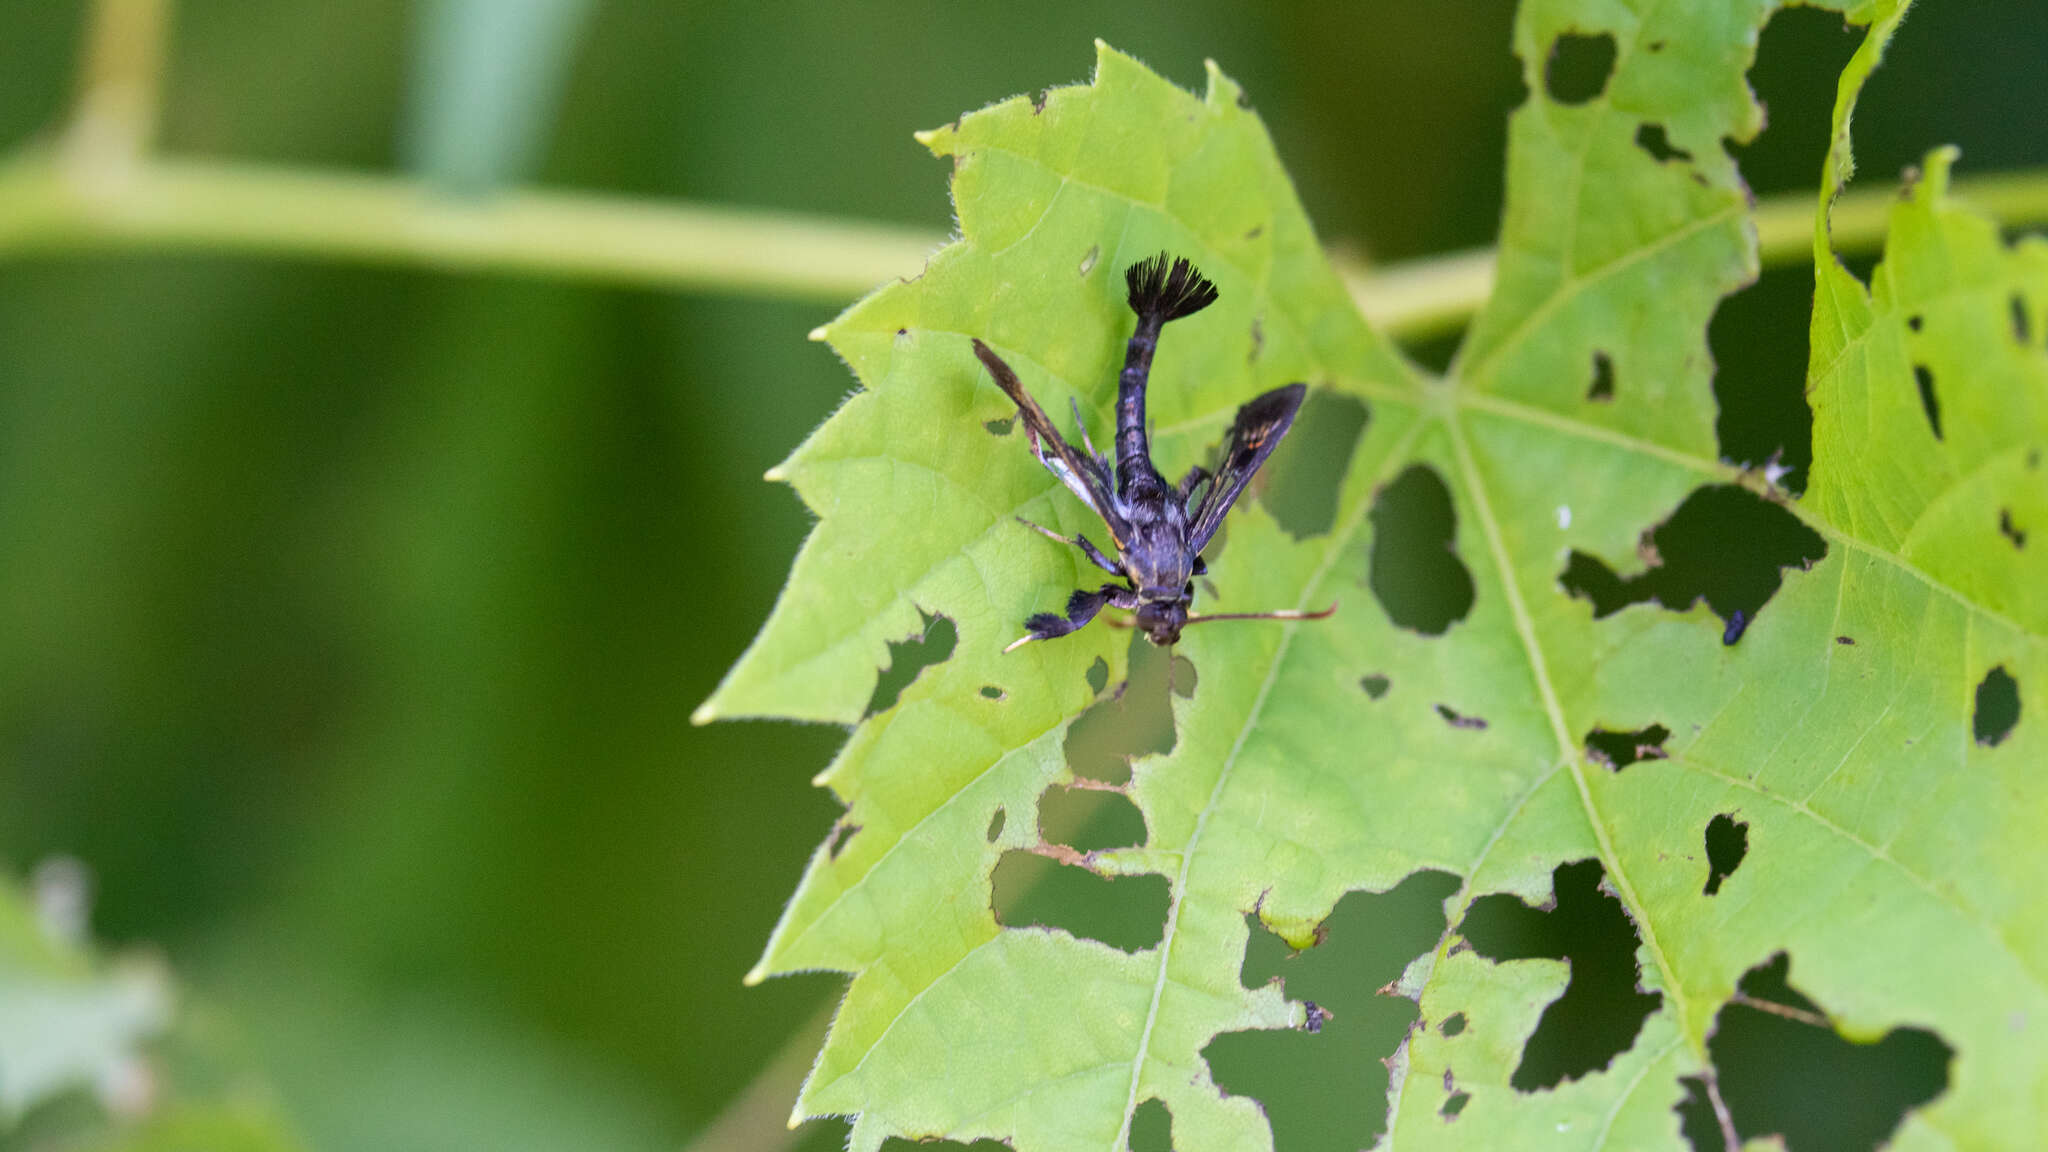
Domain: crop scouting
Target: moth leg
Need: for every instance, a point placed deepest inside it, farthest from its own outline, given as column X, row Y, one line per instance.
column 1086, row 546
column 1193, row 480
column 1082, row 607
column 1082, row 426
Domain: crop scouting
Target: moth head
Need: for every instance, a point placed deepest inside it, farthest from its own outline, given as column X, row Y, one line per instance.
column 1162, row 620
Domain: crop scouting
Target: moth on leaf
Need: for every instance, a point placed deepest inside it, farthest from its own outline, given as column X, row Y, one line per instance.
column 1158, row 532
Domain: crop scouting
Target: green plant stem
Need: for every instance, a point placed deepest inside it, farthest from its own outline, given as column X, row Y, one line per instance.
column 120, row 70
column 83, row 199
column 50, row 205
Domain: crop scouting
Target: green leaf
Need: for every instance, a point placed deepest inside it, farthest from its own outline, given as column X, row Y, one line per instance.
column 64, row 1025
column 487, row 76
column 1888, row 849
column 93, row 1057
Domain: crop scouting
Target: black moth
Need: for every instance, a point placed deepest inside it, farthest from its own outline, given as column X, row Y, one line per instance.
column 1158, row 532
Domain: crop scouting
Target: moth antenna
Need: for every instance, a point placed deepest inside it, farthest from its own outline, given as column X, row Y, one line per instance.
column 1281, row 614
column 1164, row 288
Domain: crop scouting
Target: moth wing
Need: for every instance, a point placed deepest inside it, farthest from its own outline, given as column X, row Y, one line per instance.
column 1083, row 474
column 1253, row 435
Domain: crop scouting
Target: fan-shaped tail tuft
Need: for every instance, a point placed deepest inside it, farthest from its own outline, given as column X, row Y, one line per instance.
column 1167, row 288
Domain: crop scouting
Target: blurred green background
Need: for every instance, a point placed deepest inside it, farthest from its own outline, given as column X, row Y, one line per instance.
column 353, row 618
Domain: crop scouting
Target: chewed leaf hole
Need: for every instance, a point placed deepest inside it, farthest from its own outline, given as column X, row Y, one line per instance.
column 1300, row 484
column 1727, row 844
column 2009, row 530
column 1325, row 1091
column 836, row 842
column 1457, row 719
column 1152, row 1127
column 1998, row 707
column 1454, row 1104
column 1760, row 372
column 1618, row 750
column 1375, row 685
column 1652, row 139
column 1850, row 1095
column 1125, row 912
column 1137, row 720
column 991, row 692
column 1089, row 819
column 1602, row 388
column 1578, row 67
column 899, row 1144
column 931, row 645
column 1929, row 402
column 1724, row 544
column 995, row 825
column 1453, row 1024
column 1603, row 1007
column 1000, row 427
column 1415, row 573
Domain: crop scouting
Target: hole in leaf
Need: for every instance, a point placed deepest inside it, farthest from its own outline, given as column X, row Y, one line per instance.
column 1849, row 1095
column 1799, row 57
column 1124, row 912
column 1696, row 1119
column 1760, row 375
column 1929, row 402
column 1089, row 819
column 1415, row 573
column 1152, row 1127
column 1603, row 1008
column 995, row 824
column 1603, row 378
column 836, row 842
column 1453, row 1024
column 1300, row 1078
column 2010, row 530
column 899, row 1144
column 2021, row 328
column 1098, row 675
column 1136, row 721
column 1727, row 844
column 1724, row 544
column 1434, row 354
column 1618, row 750
column 910, row 656
column 1578, row 67
column 1915, row 321
column 1375, row 685
column 1000, row 427
column 1459, row 720
column 991, row 692
column 1454, row 1104
column 1652, row 139
column 1302, row 480
column 1998, row 707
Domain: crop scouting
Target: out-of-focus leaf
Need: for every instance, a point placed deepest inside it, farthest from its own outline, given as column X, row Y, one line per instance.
column 64, row 1024
column 487, row 76
column 92, row 1056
